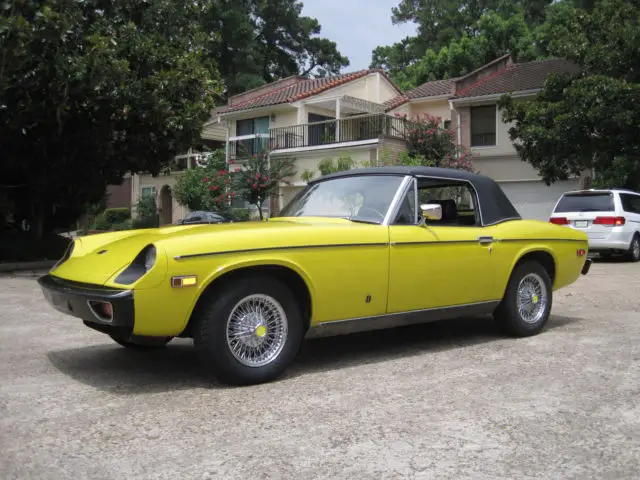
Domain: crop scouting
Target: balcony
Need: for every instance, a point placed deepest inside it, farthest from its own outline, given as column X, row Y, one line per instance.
column 318, row 134
column 332, row 132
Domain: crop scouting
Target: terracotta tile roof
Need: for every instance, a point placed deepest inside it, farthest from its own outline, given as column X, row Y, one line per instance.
column 517, row 77
column 429, row 89
column 302, row 88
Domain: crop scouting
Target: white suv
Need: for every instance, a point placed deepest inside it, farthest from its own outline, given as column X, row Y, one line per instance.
column 611, row 219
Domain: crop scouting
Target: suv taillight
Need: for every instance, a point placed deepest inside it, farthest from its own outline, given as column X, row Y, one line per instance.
column 609, row 221
column 559, row 220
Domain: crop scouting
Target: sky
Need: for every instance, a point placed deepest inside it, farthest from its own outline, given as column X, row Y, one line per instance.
column 357, row 26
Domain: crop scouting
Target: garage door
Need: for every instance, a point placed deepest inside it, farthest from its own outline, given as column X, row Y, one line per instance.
column 535, row 200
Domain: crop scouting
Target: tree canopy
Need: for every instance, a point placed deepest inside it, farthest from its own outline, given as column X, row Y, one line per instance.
column 455, row 37
column 589, row 120
column 92, row 90
column 259, row 41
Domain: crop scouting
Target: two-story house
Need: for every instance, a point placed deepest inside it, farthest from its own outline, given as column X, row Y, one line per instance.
column 354, row 114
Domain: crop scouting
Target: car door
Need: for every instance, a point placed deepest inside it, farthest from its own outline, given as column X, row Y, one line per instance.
column 440, row 263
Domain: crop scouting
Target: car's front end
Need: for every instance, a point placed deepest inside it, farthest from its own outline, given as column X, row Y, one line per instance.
column 98, row 279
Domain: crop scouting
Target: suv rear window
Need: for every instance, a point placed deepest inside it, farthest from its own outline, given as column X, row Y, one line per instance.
column 586, row 202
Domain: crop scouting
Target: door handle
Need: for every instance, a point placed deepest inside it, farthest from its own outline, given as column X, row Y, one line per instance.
column 485, row 240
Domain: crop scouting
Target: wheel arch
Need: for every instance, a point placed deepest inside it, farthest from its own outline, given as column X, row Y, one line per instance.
column 540, row 254
column 290, row 274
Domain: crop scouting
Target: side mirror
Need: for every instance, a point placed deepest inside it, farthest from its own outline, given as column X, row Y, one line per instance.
column 431, row 211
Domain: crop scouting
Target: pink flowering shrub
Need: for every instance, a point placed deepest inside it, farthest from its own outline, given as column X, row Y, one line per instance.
column 429, row 144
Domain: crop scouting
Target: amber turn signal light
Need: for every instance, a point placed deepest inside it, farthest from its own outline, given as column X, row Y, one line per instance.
column 184, row 281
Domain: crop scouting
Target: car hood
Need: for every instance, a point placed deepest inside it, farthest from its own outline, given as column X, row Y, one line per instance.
column 97, row 258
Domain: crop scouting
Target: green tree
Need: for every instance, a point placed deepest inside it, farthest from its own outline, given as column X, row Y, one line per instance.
column 260, row 177
column 91, row 90
column 588, row 120
column 495, row 36
column 456, row 37
column 259, row 41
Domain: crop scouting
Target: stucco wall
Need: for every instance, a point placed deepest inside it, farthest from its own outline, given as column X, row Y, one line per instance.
column 505, row 167
column 141, row 181
column 284, row 117
column 365, row 88
column 363, row 155
column 438, row 108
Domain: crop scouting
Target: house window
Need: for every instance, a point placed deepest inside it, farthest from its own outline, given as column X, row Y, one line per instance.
column 251, row 126
column 483, row 126
column 447, row 124
column 148, row 191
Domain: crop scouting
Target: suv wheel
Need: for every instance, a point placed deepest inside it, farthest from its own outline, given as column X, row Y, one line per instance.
column 634, row 249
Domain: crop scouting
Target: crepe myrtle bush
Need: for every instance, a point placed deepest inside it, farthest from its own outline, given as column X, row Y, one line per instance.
column 260, row 177
column 431, row 145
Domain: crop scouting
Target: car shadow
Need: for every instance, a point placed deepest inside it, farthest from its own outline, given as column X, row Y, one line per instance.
column 117, row 370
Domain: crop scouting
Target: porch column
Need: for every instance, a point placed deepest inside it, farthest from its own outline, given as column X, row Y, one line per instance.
column 226, row 146
column 337, row 120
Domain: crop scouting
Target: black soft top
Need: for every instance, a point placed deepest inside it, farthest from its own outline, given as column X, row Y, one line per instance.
column 494, row 206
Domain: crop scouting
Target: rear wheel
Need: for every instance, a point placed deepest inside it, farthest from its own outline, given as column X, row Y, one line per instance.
column 249, row 332
column 634, row 249
column 526, row 306
column 135, row 342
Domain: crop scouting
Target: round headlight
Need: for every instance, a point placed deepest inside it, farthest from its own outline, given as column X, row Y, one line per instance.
column 150, row 258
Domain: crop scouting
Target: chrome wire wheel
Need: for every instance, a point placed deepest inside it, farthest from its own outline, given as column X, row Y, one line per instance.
column 257, row 330
column 532, row 298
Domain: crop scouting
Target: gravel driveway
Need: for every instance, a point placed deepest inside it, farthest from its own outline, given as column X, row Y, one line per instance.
column 447, row 400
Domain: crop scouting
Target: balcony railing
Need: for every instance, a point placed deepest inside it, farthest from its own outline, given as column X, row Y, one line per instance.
column 248, row 145
column 350, row 129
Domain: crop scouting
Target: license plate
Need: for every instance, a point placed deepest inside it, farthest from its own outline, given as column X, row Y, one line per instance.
column 581, row 223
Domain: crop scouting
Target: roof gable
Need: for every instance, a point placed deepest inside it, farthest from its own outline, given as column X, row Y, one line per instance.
column 293, row 89
column 517, row 77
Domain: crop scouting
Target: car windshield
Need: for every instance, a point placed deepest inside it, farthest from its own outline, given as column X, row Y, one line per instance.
column 364, row 198
column 586, row 202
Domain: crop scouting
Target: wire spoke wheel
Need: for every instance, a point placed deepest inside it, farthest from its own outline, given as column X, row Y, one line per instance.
column 532, row 298
column 257, row 330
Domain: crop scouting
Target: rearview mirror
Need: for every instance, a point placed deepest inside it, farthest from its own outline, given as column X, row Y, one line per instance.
column 431, row 211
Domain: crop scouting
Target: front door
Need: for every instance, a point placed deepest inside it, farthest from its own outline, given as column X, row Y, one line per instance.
column 439, row 263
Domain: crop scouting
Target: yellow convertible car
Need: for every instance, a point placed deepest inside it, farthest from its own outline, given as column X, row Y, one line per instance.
column 357, row 250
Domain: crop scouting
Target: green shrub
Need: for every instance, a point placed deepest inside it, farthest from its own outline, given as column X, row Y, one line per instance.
column 117, row 215
column 146, row 213
column 100, row 223
column 240, row 214
column 126, row 225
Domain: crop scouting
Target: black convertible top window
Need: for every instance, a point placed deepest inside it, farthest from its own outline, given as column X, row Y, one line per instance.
column 494, row 205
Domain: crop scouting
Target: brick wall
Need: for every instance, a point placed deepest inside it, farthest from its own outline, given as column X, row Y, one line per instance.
column 391, row 147
column 119, row 195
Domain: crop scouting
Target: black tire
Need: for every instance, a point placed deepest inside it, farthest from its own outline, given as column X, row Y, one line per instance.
column 633, row 254
column 135, row 342
column 210, row 331
column 508, row 318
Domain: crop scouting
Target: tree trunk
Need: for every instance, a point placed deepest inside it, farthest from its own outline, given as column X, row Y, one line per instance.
column 259, row 205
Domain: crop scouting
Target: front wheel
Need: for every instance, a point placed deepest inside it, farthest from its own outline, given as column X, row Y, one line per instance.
column 526, row 306
column 250, row 331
